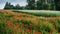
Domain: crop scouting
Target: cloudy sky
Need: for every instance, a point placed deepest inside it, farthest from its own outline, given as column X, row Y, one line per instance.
column 13, row 2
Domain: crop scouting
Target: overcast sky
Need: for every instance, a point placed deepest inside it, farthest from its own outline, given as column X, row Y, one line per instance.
column 13, row 2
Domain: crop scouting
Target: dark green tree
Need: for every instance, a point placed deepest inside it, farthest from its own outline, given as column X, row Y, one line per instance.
column 39, row 5
column 57, row 4
column 52, row 5
column 17, row 7
column 8, row 6
column 31, row 4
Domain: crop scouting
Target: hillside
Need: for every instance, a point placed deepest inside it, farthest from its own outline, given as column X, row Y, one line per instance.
column 21, row 23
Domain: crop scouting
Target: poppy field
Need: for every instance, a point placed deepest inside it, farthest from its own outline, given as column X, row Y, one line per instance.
column 21, row 23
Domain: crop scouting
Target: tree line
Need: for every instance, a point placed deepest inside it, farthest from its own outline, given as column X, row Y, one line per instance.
column 36, row 5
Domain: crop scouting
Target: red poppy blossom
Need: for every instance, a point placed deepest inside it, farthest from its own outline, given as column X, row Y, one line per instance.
column 28, row 30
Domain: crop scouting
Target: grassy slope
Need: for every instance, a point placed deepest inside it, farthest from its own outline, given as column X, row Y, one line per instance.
column 21, row 23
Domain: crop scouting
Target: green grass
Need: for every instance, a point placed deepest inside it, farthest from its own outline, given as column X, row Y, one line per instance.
column 45, row 13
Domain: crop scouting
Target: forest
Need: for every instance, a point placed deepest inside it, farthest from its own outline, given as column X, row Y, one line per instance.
column 36, row 5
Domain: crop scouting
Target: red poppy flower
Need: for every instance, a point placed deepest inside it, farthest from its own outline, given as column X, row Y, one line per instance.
column 28, row 30
column 34, row 32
